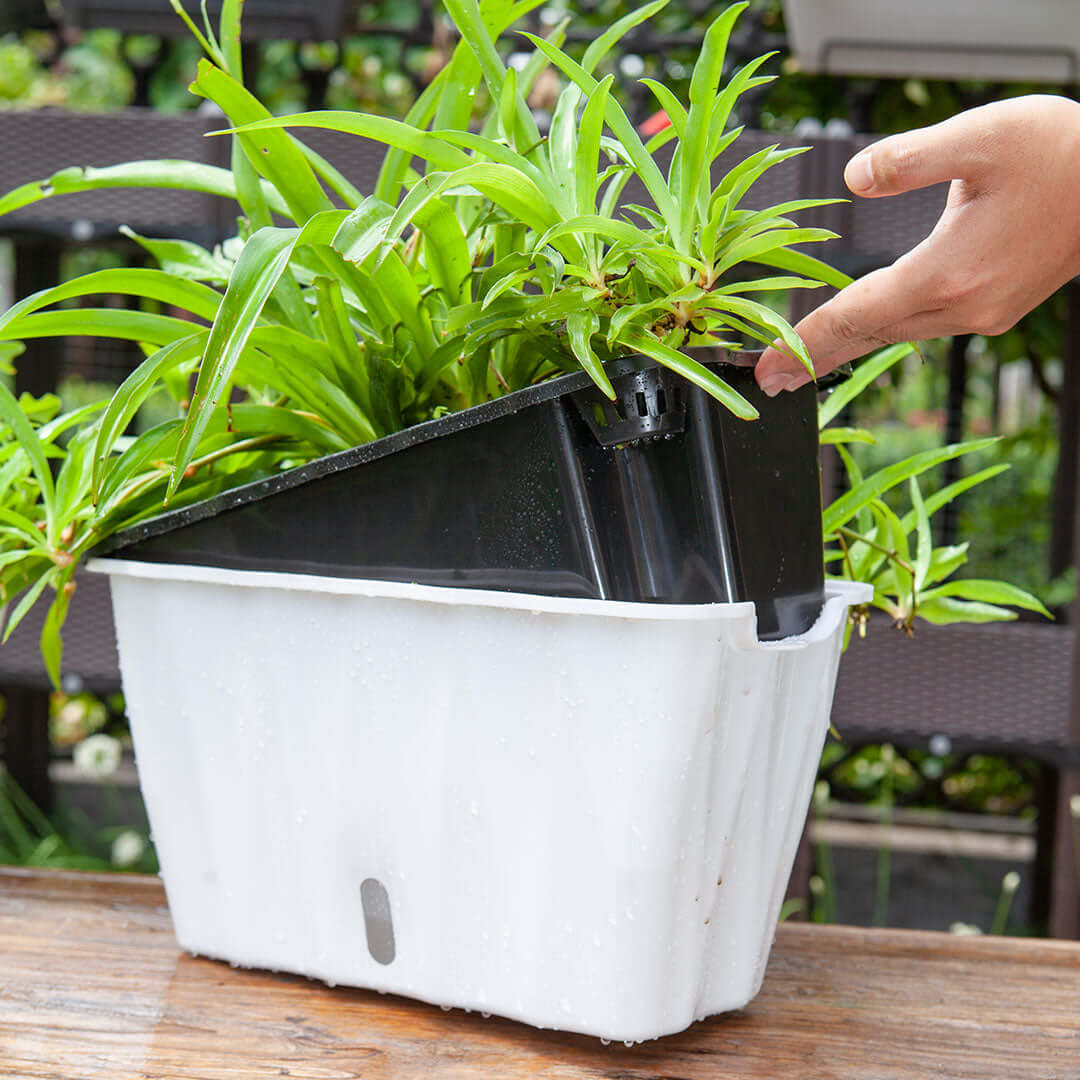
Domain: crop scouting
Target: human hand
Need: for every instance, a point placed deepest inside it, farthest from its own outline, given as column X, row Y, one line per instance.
column 1008, row 238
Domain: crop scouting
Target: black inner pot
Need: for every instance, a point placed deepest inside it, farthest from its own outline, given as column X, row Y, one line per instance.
column 663, row 496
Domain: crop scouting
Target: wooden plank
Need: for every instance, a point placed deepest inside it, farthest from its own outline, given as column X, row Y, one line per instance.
column 92, row 985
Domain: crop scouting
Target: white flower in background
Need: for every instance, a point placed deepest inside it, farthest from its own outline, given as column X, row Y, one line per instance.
column 963, row 929
column 127, row 849
column 1074, row 806
column 97, row 756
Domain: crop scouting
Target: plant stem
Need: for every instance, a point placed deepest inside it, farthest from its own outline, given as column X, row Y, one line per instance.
column 889, row 553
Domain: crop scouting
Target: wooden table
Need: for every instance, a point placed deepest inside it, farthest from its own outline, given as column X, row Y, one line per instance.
column 92, row 985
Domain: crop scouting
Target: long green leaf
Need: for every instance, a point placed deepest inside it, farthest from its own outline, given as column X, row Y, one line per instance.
column 581, row 325
column 647, row 169
column 697, row 373
column 798, row 262
column 588, row 148
column 168, row 174
column 119, row 323
column 844, row 508
column 691, row 174
column 274, row 154
column 133, row 392
column 198, row 299
column 870, row 370
column 12, row 415
column 987, row 592
column 470, row 24
column 600, row 46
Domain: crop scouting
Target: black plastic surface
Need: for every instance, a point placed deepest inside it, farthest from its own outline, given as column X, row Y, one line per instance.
column 520, row 494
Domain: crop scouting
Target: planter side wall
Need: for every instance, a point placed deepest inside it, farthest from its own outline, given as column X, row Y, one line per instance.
column 581, row 819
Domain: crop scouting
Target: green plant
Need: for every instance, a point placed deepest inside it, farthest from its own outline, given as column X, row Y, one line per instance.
column 867, row 540
column 507, row 262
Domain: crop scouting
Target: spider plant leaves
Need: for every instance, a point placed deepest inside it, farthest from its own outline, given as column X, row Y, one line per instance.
column 587, row 156
column 448, row 98
column 12, row 415
column 173, row 175
column 274, row 154
column 363, row 231
column 264, row 259
column 508, row 281
column 769, row 284
column 22, row 529
column 29, row 598
column 504, row 185
column 974, row 600
column 924, row 544
column 844, row 508
column 507, row 112
column 140, row 326
column 229, row 36
column 725, row 101
column 310, row 374
column 581, row 326
column 200, row 300
column 133, row 392
column 939, row 499
column 867, row 372
column 690, row 174
column 183, row 259
column 690, row 369
column 759, row 248
column 73, row 477
column 647, row 169
column 207, row 41
column 842, row 435
column 672, row 106
column 798, row 262
column 760, row 315
column 600, row 46
column 562, row 144
column 470, row 23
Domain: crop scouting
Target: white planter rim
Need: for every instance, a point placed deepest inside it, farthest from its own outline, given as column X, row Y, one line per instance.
column 845, row 591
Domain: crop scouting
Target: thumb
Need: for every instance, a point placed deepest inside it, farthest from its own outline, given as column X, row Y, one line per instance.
column 950, row 150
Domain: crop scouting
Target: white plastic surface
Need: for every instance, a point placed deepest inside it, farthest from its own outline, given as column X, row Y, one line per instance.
column 583, row 813
column 1000, row 40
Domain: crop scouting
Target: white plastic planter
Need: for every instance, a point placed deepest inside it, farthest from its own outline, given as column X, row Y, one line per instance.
column 999, row 40
column 581, row 814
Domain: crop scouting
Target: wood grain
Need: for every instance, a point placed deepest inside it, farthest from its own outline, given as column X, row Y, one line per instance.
column 92, row 985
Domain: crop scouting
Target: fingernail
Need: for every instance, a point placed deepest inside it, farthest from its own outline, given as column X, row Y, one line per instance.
column 859, row 174
column 773, row 384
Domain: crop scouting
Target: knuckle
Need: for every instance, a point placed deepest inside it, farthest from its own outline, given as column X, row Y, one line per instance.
column 894, row 159
column 843, row 328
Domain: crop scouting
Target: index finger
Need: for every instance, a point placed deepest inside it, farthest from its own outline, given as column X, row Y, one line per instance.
column 854, row 322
